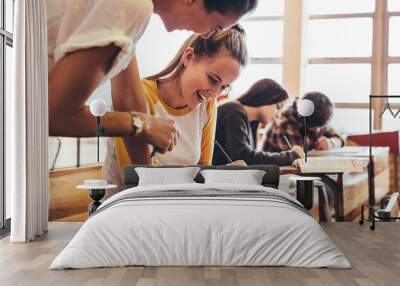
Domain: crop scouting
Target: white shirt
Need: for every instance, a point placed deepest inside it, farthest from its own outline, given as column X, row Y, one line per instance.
column 80, row 24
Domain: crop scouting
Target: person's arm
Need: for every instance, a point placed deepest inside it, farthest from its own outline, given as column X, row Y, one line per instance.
column 336, row 139
column 238, row 147
column 128, row 94
column 208, row 136
column 73, row 79
column 329, row 139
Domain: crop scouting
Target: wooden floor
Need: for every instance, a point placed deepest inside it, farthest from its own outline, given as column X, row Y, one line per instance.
column 375, row 257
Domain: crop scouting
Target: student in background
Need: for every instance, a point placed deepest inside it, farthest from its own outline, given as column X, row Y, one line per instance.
column 185, row 92
column 90, row 42
column 319, row 136
column 238, row 121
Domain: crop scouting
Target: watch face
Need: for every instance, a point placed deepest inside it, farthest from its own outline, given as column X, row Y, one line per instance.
column 138, row 123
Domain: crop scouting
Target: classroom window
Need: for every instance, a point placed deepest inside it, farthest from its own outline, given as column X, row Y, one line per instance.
column 269, row 8
column 264, row 33
column 9, row 15
column 63, row 152
column 394, row 79
column 390, row 123
column 254, row 72
column 339, row 47
column 88, row 150
column 342, row 116
column 264, row 38
column 340, row 82
column 6, row 69
column 394, row 5
column 394, row 32
column 340, row 37
column 321, row 7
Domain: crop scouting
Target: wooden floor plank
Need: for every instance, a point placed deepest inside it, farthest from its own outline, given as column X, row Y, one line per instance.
column 375, row 257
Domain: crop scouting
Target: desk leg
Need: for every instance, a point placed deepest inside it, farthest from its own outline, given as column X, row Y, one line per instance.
column 337, row 187
column 339, row 204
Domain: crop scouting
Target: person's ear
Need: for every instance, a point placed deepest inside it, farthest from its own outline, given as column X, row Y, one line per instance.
column 188, row 56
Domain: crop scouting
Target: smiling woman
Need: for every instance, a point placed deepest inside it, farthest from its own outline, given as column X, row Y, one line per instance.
column 90, row 42
column 185, row 92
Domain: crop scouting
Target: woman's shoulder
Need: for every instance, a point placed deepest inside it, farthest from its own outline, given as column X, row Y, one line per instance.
column 151, row 93
column 231, row 106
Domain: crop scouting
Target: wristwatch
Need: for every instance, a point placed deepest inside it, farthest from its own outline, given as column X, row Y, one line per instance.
column 137, row 123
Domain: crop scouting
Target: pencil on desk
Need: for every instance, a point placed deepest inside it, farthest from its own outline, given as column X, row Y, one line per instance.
column 287, row 141
column 226, row 156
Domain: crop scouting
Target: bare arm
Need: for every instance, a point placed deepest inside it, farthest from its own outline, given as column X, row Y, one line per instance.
column 71, row 82
column 128, row 95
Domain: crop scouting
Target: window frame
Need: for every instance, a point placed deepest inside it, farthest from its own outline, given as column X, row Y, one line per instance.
column 379, row 60
column 265, row 60
column 6, row 39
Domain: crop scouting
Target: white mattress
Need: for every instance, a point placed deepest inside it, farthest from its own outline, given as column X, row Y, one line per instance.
column 200, row 231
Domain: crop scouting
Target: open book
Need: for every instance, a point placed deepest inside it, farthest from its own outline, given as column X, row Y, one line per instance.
column 346, row 151
column 329, row 164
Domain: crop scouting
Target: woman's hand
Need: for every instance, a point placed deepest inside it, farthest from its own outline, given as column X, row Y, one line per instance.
column 162, row 133
column 298, row 151
column 238, row 163
column 324, row 143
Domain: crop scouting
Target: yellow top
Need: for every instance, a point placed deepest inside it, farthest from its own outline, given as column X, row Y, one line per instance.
column 196, row 127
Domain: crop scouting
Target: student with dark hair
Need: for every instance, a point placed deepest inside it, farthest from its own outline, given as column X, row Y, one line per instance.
column 90, row 42
column 290, row 123
column 238, row 121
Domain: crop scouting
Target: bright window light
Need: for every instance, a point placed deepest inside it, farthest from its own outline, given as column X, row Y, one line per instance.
column 325, row 7
column 67, row 155
column 394, row 5
column 340, row 82
column 88, row 150
column 359, row 120
column 394, row 33
column 157, row 47
column 9, row 9
column 340, row 37
column 393, row 79
column 269, row 8
column 264, row 38
column 254, row 72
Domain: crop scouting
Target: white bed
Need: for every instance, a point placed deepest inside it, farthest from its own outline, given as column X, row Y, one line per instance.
column 222, row 225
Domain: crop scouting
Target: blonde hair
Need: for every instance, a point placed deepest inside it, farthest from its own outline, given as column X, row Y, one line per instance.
column 232, row 39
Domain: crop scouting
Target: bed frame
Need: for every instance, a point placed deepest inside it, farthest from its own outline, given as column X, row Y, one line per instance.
column 270, row 179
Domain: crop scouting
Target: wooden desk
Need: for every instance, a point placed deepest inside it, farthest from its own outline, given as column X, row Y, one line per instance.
column 335, row 185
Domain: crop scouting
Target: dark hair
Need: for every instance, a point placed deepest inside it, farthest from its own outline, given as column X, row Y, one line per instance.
column 323, row 109
column 239, row 7
column 264, row 92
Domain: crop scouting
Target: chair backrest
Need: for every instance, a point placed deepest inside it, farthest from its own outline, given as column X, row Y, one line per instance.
column 379, row 139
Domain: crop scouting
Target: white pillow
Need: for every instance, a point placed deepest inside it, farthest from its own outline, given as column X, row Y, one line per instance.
column 248, row 177
column 166, row 176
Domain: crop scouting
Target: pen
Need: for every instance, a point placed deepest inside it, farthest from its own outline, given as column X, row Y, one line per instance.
column 227, row 158
column 287, row 142
column 153, row 153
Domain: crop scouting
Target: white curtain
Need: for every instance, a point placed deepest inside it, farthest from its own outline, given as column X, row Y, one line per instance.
column 27, row 122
